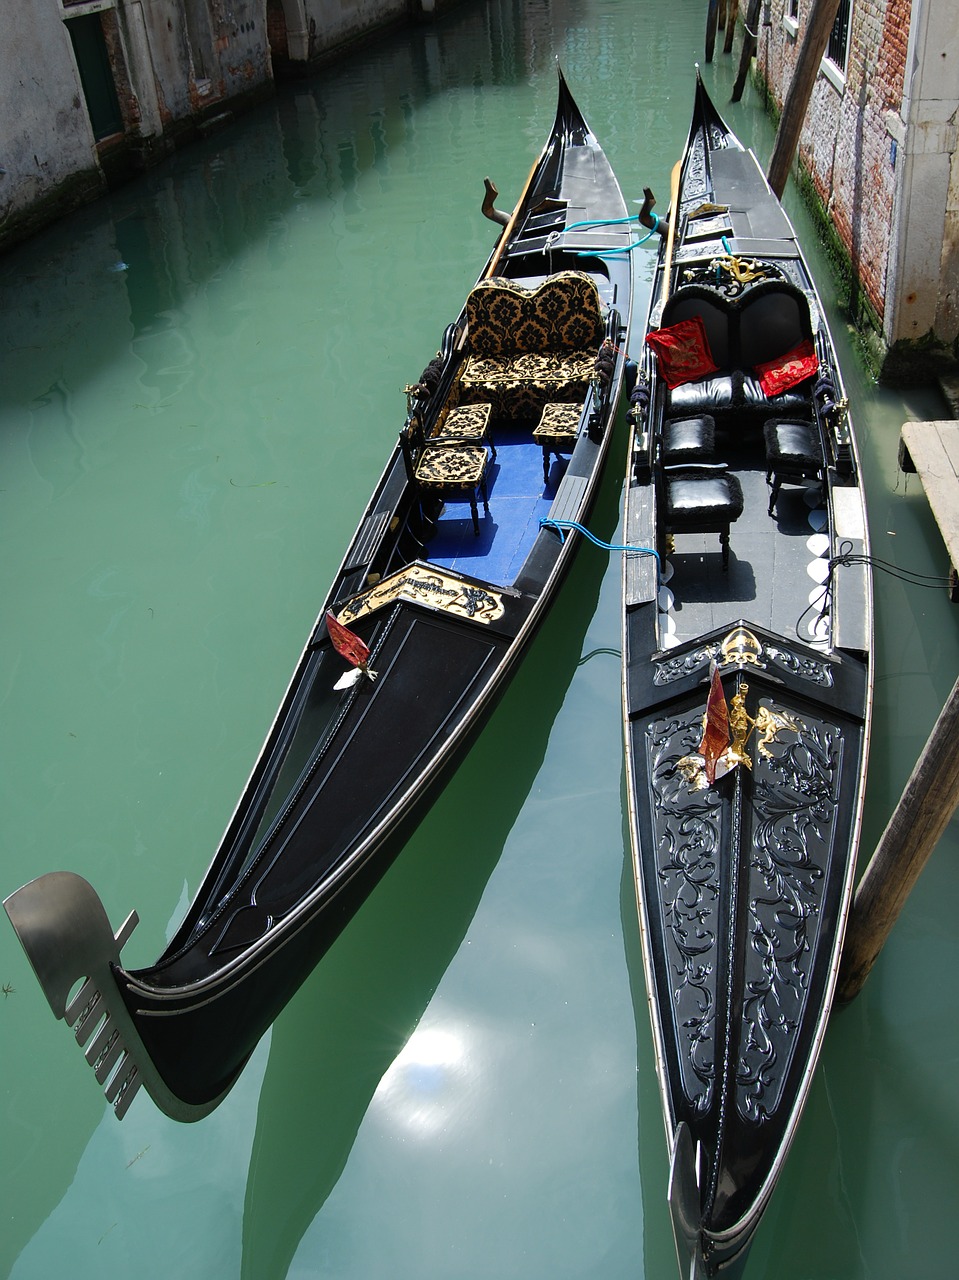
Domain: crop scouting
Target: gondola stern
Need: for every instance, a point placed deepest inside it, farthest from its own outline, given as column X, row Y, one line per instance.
column 66, row 934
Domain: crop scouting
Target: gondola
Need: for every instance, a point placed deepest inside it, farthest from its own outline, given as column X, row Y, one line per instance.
column 455, row 562
column 747, row 684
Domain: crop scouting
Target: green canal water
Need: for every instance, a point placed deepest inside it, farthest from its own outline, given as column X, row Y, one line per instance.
column 201, row 378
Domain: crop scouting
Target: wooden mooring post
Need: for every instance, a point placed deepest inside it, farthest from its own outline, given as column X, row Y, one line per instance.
column 919, row 819
column 932, row 793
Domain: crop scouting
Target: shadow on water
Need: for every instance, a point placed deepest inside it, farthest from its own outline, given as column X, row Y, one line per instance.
column 334, row 1042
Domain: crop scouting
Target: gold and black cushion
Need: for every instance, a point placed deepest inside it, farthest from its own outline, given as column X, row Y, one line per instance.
column 461, row 469
column 464, row 424
column 557, row 431
column 561, row 314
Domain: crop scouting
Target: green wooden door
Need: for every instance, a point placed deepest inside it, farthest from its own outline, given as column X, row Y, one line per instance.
column 96, row 74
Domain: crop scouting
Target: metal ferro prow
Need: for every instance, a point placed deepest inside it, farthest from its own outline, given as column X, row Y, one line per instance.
column 64, row 930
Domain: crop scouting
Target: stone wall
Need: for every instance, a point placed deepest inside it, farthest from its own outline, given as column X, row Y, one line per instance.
column 179, row 68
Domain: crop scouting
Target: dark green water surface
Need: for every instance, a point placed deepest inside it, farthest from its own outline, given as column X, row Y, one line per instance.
column 201, row 378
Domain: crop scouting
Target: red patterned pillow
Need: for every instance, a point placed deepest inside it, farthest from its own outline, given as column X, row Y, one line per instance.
column 789, row 370
column 683, row 352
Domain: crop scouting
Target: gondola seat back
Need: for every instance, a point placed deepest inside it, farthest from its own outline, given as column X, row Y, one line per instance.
column 528, row 346
column 764, row 323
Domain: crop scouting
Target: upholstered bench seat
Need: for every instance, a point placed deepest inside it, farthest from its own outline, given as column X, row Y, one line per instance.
column 531, row 344
column 521, row 385
column 731, row 391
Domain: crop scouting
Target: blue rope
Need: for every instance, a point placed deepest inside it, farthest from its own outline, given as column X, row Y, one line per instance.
column 560, row 525
column 613, row 222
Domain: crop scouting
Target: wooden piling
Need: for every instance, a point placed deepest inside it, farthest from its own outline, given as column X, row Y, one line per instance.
column 750, row 36
column 921, row 816
column 732, row 15
column 930, row 449
column 822, row 18
column 712, row 18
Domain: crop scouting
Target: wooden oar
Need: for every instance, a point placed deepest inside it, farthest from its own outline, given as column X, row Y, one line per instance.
column 671, row 233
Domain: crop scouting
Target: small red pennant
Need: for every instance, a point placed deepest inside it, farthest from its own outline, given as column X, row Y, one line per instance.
column 346, row 643
column 716, row 727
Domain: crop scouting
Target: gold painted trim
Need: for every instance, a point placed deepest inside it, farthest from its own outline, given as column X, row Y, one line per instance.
column 418, row 584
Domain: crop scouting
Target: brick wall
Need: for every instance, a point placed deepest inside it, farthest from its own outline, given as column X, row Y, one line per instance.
column 848, row 141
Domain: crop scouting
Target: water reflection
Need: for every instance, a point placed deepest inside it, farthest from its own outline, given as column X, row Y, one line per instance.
column 352, row 1034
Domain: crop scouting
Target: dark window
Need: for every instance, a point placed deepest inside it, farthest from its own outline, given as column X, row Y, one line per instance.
column 837, row 51
column 96, row 74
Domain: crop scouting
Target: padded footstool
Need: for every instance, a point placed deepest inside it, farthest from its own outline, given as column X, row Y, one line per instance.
column 689, row 440
column 793, row 455
column 446, row 469
column 557, row 431
column 702, row 500
column 466, row 424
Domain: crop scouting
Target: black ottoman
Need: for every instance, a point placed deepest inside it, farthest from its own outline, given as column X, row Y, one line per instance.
column 793, row 455
column 689, row 440
column 702, row 500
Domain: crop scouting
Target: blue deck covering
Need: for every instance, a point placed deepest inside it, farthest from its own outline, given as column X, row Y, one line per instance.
column 517, row 502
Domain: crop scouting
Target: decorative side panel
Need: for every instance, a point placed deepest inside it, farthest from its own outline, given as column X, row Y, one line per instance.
column 795, row 794
column 687, row 831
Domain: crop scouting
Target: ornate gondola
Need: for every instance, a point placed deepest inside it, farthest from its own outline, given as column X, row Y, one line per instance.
column 747, row 684
column 446, row 579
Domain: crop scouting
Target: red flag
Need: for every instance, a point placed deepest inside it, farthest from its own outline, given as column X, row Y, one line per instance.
column 715, row 727
column 347, row 644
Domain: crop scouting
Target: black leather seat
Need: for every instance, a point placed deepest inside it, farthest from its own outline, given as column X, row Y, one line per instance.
column 701, row 500
column 689, row 440
column 793, row 455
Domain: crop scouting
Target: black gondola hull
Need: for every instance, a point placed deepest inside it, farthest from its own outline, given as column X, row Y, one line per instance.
column 355, row 756
column 748, row 655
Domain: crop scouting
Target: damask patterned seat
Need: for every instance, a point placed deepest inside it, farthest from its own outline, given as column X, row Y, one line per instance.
column 464, row 424
column 557, row 431
column 440, row 467
column 529, row 346
column 460, row 470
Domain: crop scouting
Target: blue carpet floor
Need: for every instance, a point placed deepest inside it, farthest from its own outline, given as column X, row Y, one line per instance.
column 517, row 501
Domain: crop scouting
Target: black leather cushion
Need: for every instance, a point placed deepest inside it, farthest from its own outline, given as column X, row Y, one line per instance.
column 792, row 447
column 689, row 439
column 704, row 396
column 786, row 402
column 702, row 498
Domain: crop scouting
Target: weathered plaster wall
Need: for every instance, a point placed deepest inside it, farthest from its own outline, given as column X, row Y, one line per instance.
column 46, row 143
column 845, row 145
column 334, row 22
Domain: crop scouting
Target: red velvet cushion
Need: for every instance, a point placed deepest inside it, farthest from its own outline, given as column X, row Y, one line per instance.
column 683, row 352
column 789, row 370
